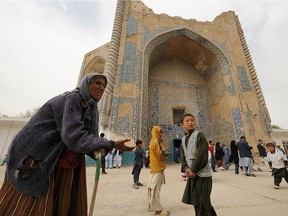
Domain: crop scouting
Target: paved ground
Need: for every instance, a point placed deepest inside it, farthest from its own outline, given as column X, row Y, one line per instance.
column 232, row 195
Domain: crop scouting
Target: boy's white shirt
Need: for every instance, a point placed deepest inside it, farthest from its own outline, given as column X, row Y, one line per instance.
column 277, row 159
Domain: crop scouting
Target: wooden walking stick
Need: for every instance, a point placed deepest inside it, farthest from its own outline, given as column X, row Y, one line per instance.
column 97, row 175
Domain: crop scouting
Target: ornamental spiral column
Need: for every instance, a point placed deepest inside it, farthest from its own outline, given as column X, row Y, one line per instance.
column 252, row 70
column 111, row 64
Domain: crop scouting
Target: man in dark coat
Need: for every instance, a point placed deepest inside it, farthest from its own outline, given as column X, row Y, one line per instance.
column 262, row 154
column 246, row 160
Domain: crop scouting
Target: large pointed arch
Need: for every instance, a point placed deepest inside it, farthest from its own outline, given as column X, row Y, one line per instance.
column 154, row 42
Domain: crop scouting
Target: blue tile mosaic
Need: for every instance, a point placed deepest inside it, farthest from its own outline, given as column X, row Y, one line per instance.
column 163, row 98
column 265, row 121
column 231, row 87
column 243, row 78
column 129, row 62
column 248, row 115
column 148, row 35
column 238, row 124
column 132, row 25
column 123, row 126
column 115, row 102
column 159, row 36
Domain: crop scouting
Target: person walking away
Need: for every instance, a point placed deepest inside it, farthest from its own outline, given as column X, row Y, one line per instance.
column 147, row 159
column 212, row 152
column 234, row 156
column 195, row 157
column 138, row 163
column 46, row 172
column 117, row 160
column 276, row 161
column 245, row 160
column 219, row 154
column 226, row 163
column 109, row 160
column 158, row 156
column 176, row 154
column 102, row 135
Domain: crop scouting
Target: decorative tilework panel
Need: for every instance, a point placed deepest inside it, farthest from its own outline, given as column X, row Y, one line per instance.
column 147, row 35
column 129, row 62
column 115, row 102
column 238, row 124
column 138, row 74
column 264, row 120
column 132, row 25
column 169, row 133
column 167, row 94
column 243, row 78
column 222, row 46
column 231, row 87
column 135, row 133
column 248, row 115
column 159, row 36
column 123, row 128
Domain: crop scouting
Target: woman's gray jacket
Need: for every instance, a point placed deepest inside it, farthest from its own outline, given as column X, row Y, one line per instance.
column 63, row 121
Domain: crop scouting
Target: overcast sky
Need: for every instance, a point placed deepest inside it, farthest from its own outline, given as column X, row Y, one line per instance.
column 42, row 45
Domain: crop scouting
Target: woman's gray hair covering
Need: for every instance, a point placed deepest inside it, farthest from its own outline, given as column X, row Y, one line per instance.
column 92, row 109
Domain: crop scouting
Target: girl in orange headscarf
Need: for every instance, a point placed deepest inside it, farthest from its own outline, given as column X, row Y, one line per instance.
column 158, row 156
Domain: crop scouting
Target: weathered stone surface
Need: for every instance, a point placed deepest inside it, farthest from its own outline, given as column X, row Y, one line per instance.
column 158, row 62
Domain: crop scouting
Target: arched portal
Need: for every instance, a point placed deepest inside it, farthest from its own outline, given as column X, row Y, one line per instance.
column 181, row 71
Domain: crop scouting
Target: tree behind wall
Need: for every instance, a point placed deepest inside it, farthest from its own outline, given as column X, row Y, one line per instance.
column 29, row 113
column 275, row 126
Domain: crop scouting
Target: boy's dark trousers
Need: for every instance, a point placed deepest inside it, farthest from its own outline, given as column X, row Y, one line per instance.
column 213, row 161
column 103, row 164
column 136, row 172
column 279, row 174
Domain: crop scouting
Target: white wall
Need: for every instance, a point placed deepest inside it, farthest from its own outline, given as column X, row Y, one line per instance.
column 9, row 127
column 279, row 135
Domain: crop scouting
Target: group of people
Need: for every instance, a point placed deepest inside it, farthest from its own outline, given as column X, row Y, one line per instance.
column 275, row 159
column 45, row 172
column 271, row 156
column 113, row 159
column 219, row 156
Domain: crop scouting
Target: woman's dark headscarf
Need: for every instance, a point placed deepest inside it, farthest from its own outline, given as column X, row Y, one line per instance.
column 92, row 110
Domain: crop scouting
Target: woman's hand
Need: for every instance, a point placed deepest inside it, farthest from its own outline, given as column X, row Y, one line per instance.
column 103, row 151
column 190, row 174
column 120, row 145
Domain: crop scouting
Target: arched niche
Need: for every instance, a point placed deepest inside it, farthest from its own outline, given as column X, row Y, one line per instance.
column 199, row 66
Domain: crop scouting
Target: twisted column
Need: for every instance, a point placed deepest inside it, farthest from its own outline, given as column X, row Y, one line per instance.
column 111, row 64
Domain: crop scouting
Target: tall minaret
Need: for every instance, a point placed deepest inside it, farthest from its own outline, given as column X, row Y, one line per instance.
column 111, row 65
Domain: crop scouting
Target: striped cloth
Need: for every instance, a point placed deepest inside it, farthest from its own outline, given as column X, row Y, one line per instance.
column 66, row 195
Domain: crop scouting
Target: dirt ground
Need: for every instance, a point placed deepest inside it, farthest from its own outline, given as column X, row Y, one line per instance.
column 232, row 195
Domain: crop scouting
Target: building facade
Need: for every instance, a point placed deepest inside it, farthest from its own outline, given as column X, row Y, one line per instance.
column 160, row 67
